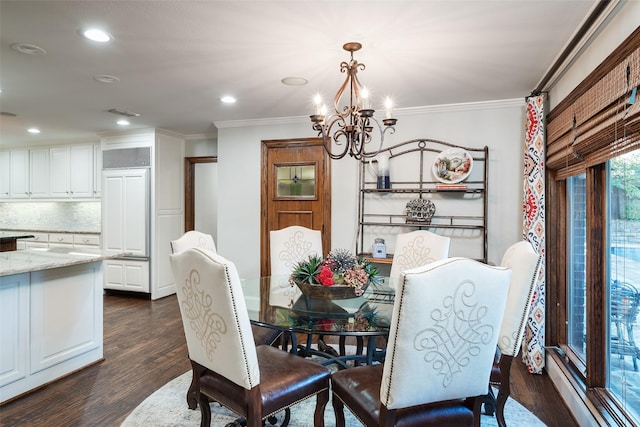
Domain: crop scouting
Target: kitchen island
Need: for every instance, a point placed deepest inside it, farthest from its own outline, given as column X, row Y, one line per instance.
column 50, row 316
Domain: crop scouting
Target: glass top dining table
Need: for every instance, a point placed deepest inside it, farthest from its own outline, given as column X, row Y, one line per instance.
column 275, row 303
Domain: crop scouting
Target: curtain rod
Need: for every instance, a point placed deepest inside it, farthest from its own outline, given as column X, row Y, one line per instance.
column 586, row 26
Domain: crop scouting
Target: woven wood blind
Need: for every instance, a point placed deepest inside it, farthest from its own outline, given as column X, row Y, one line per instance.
column 596, row 122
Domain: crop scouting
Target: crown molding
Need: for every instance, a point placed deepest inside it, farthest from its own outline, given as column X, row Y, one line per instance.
column 399, row 112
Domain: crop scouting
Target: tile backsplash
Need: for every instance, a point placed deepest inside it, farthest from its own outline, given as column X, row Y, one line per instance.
column 51, row 216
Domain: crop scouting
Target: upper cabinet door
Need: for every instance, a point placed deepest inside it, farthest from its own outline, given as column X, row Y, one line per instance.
column 39, row 173
column 97, row 170
column 19, row 174
column 5, row 174
column 81, row 170
column 59, row 172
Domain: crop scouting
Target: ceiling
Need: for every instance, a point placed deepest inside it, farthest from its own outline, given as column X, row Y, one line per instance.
column 176, row 59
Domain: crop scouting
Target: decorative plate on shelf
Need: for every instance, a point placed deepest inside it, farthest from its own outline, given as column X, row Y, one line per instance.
column 420, row 210
column 452, row 166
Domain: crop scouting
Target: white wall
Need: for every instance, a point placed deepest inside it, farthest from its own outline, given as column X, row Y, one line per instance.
column 497, row 124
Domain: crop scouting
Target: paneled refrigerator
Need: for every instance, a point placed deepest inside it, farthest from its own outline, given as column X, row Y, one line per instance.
column 125, row 224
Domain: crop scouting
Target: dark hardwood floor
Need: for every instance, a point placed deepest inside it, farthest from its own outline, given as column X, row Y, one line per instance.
column 144, row 348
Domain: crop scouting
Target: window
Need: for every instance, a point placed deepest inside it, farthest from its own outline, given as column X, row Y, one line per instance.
column 593, row 271
column 296, row 181
column 623, row 271
column 577, row 290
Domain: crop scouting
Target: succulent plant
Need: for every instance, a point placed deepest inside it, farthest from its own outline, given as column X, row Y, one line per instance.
column 306, row 271
column 341, row 259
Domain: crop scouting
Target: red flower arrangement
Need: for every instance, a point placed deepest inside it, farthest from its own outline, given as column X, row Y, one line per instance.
column 340, row 268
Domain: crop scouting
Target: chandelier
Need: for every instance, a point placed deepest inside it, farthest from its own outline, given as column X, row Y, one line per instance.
column 350, row 128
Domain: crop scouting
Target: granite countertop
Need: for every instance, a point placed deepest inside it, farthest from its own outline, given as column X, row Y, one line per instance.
column 34, row 259
column 34, row 230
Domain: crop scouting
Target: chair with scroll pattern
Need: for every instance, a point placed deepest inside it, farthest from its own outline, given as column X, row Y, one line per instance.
column 287, row 247
column 442, row 339
column 524, row 263
column 197, row 239
column 417, row 248
column 193, row 239
column 254, row 382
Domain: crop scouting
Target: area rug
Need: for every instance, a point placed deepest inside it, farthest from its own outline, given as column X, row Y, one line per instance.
column 167, row 407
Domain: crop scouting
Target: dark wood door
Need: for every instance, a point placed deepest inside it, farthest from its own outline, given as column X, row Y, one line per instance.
column 296, row 190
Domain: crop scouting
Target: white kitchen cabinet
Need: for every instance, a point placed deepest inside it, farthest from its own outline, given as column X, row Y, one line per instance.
column 5, row 174
column 81, row 171
column 60, row 297
column 125, row 213
column 14, row 328
column 51, row 325
column 86, row 240
column 60, row 240
column 126, row 275
column 59, row 171
column 97, row 170
column 19, row 174
column 39, row 173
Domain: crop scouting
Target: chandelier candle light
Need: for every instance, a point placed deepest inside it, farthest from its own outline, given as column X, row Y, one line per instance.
column 351, row 126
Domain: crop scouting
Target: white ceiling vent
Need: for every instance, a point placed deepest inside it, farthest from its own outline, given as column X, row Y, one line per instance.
column 124, row 113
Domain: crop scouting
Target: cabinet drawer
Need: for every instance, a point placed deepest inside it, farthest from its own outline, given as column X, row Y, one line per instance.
column 86, row 239
column 37, row 237
column 61, row 238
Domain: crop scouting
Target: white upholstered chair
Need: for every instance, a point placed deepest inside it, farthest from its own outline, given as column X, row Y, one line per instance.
column 290, row 245
column 252, row 381
column 196, row 239
column 417, row 248
column 287, row 247
column 193, row 239
column 442, row 339
column 524, row 263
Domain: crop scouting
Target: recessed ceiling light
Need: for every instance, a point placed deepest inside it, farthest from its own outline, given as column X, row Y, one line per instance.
column 228, row 99
column 294, row 81
column 97, row 35
column 105, row 78
column 33, row 130
column 28, row 49
column 123, row 122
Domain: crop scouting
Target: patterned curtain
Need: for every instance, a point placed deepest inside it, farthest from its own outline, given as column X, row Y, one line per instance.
column 534, row 227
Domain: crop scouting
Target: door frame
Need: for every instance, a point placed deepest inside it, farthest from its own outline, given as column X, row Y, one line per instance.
column 189, row 188
column 264, row 201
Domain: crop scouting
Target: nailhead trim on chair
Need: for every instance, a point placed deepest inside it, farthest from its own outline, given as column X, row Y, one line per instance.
column 242, row 344
column 525, row 315
column 294, row 403
column 400, row 304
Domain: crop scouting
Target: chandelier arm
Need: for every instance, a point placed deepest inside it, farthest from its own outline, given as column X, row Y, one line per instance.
column 363, row 154
column 328, row 140
column 348, row 110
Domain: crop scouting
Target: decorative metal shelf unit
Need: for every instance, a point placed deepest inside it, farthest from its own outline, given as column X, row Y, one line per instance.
column 461, row 207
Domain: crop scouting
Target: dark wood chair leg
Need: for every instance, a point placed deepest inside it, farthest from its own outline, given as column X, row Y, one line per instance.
column 205, row 411
column 192, row 395
column 338, row 409
column 489, row 402
column 321, row 403
column 387, row 417
column 505, row 388
column 477, row 410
